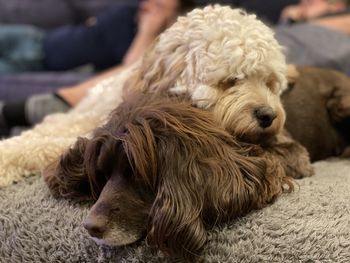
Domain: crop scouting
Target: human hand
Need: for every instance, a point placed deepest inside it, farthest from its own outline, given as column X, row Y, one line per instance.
column 155, row 16
column 292, row 12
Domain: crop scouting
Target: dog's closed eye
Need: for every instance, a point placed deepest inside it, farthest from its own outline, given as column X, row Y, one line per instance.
column 272, row 84
column 227, row 83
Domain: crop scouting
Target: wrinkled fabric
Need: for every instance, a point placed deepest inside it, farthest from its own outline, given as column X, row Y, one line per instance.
column 311, row 45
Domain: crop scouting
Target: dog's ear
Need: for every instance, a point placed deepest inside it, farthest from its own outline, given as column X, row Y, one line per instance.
column 292, row 74
column 99, row 158
column 66, row 177
column 160, row 67
column 175, row 224
column 174, row 217
column 82, row 171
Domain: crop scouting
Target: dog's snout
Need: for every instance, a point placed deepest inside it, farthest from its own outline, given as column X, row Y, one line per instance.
column 95, row 226
column 265, row 116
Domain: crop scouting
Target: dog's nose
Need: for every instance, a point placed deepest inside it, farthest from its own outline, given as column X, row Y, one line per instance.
column 95, row 226
column 265, row 116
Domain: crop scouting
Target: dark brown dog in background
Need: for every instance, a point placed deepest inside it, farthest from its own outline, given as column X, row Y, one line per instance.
column 165, row 169
column 317, row 106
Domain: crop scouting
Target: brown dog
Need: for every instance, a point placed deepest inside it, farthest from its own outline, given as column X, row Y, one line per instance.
column 165, row 168
column 317, row 106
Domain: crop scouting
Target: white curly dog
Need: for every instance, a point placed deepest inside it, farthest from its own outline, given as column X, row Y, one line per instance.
column 226, row 60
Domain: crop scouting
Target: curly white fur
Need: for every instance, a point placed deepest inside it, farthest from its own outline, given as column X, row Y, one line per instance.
column 226, row 60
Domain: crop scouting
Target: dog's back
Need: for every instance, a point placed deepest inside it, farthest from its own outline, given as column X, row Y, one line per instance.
column 314, row 115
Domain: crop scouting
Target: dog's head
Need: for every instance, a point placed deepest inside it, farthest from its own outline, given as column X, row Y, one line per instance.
column 227, row 61
column 164, row 169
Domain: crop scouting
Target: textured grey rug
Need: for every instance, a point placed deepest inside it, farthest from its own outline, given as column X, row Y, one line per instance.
column 310, row 225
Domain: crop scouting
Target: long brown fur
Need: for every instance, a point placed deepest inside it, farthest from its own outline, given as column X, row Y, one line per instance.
column 180, row 166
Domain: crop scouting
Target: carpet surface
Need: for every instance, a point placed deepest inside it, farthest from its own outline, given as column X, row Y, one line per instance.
column 310, row 225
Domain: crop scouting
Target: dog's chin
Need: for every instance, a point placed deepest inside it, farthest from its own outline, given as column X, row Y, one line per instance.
column 109, row 243
column 259, row 136
column 102, row 242
column 113, row 242
column 120, row 236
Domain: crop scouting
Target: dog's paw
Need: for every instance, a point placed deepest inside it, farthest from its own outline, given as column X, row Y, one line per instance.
column 299, row 164
column 346, row 153
column 300, row 169
column 294, row 157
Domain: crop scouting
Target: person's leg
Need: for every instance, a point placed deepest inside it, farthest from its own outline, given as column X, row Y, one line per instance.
column 74, row 94
column 21, row 48
column 102, row 43
column 4, row 129
column 29, row 112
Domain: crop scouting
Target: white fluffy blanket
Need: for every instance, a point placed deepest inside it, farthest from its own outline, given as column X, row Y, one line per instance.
column 33, row 150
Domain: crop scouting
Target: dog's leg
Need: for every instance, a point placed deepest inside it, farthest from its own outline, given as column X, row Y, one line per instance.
column 293, row 156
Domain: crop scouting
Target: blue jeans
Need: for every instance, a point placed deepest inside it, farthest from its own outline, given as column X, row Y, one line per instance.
column 21, row 48
column 102, row 45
